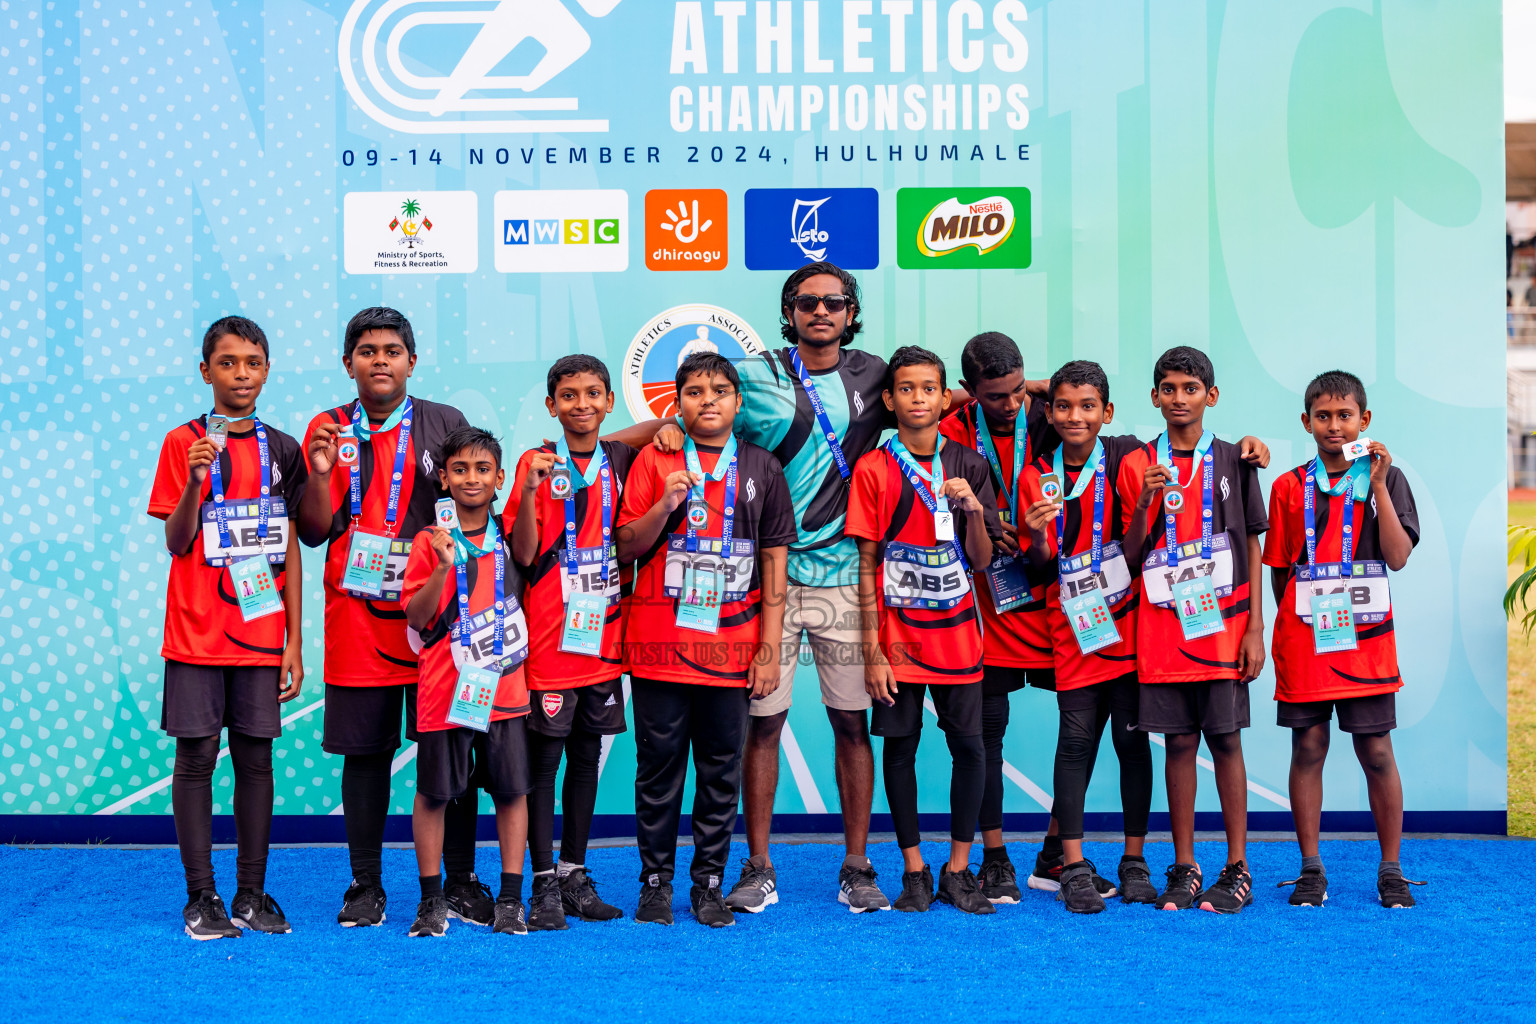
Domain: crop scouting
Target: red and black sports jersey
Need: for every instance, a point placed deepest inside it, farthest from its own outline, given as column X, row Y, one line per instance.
column 1300, row 673
column 365, row 641
column 1020, row 638
column 203, row 624
column 550, row 668
column 923, row 645
column 436, row 671
column 654, row 646
column 1075, row 670
column 1162, row 653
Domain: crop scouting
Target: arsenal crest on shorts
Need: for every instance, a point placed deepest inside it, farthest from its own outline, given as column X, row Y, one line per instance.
column 553, row 702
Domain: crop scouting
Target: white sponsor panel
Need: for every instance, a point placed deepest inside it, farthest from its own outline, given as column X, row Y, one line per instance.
column 541, row 231
column 410, row 232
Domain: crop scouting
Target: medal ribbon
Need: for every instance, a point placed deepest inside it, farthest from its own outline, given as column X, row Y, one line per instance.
column 1355, row 483
column 461, row 570
column 1006, row 489
column 401, row 416
column 934, row 477
column 1097, row 475
column 1205, row 460
column 725, row 466
column 264, row 501
column 597, row 468
column 820, row 410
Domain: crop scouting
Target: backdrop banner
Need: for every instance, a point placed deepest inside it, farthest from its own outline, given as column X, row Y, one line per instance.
column 1293, row 187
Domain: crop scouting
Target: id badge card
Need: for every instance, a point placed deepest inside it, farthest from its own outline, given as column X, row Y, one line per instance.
column 1333, row 624
column 367, row 558
column 1091, row 622
column 1010, row 586
column 699, row 606
column 943, row 526
column 472, row 695
column 1195, row 603
column 255, row 589
column 582, row 632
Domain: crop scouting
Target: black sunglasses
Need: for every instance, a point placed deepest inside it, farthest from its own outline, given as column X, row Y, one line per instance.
column 808, row 303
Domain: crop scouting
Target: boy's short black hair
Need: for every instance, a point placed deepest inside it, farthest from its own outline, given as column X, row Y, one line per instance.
column 709, row 364
column 240, row 327
column 1082, row 373
column 570, row 366
column 911, row 355
column 792, row 288
column 1186, row 360
column 463, row 439
column 378, row 318
column 989, row 355
column 1339, row 383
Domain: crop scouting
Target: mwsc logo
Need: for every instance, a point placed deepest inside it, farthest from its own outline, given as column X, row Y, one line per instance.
column 379, row 37
column 540, row 231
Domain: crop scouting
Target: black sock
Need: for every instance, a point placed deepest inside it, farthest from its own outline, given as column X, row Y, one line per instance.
column 431, row 885
column 1053, row 849
column 992, row 853
column 511, row 885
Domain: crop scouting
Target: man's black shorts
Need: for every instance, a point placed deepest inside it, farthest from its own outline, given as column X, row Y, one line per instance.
column 201, row 700
column 997, row 680
column 366, row 719
column 1362, row 716
column 958, row 705
column 451, row 762
column 598, row 708
column 1217, row 707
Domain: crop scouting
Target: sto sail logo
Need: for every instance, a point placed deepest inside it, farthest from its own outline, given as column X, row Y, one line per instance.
column 541, row 231
column 441, row 67
column 962, row 229
column 790, row 227
column 650, row 366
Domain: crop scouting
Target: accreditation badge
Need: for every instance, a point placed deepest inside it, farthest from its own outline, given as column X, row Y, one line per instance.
column 1199, row 613
column 698, row 608
column 255, row 589
column 367, row 558
column 1333, row 624
column 1091, row 622
column 582, row 632
column 472, row 695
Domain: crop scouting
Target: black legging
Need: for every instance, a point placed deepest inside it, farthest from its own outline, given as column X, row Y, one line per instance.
column 1084, row 714
column 578, row 795
column 365, row 786
column 192, row 808
column 994, row 723
column 898, row 760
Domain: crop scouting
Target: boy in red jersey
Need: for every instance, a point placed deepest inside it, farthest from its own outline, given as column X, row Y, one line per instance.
column 923, row 512
column 227, row 486
column 715, row 518
column 564, row 500
column 1193, row 513
column 460, row 598
column 374, row 484
column 1338, row 523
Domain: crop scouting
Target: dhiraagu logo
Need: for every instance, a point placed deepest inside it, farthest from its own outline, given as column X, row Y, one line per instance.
column 541, row 231
column 962, row 229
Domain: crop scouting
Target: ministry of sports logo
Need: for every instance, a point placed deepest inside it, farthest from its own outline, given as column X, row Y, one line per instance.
column 403, row 70
column 650, row 367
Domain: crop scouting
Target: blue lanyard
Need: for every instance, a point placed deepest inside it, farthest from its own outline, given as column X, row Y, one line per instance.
column 1096, row 460
column 934, row 477
column 599, row 462
column 461, row 570
column 821, row 414
column 1007, row 488
column 402, row 416
column 216, row 483
column 1354, row 483
column 1204, row 459
column 725, row 466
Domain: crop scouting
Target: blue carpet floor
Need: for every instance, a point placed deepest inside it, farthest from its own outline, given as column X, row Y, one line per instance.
column 95, row 934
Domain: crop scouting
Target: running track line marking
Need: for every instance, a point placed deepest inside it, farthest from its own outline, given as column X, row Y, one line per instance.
column 158, row 785
column 1013, row 775
column 1253, row 787
column 804, row 781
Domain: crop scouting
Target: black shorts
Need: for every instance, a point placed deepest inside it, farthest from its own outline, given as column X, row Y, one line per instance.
column 452, row 762
column 1363, row 716
column 999, row 680
column 1096, row 695
column 598, row 708
column 366, row 719
column 1177, row 709
column 201, row 700
column 958, row 705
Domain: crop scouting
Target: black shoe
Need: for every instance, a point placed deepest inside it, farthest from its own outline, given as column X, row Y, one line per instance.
column 362, row 906
column 756, row 890
column 259, row 912
column 1183, row 883
column 1077, row 889
column 469, row 899
column 961, row 890
column 655, row 902
column 1136, row 881
column 1047, row 873
column 1103, row 886
column 431, row 918
column 508, row 916
column 856, row 888
column 1393, row 890
column 545, row 911
column 579, row 895
column 1311, row 888
column 916, row 891
column 999, row 882
column 709, row 906
column 205, row 918
column 1232, row 892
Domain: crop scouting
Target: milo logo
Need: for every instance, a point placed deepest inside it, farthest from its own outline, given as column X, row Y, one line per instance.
column 963, row 229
